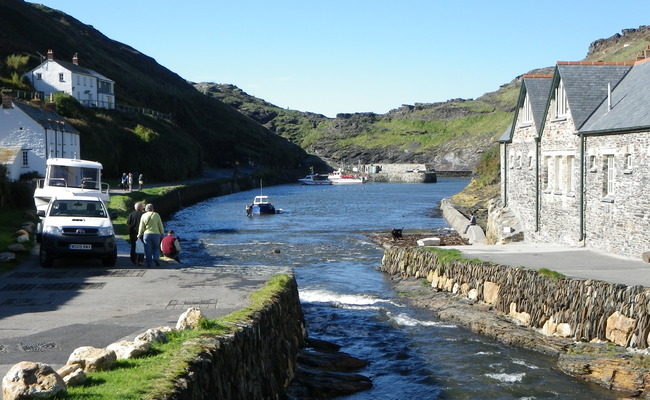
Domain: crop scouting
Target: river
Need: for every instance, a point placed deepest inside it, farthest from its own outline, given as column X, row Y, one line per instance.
column 321, row 235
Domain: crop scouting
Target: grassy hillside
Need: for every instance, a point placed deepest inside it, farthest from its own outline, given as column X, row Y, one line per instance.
column 439, row 134
column 203, row 131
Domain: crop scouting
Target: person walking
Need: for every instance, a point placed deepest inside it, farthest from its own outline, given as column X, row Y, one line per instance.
column 170, row 246
column 130, row 180
column 133, row 223
column 150, row 231
column 140, row 181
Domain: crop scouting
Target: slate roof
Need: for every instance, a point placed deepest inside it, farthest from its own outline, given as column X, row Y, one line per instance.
column 506, row 136
column 538, row 88
column 630, row 102
column 46, row 118
column 585, row 85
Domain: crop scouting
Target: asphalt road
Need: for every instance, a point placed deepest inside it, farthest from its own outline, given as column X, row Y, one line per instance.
column 47, row 313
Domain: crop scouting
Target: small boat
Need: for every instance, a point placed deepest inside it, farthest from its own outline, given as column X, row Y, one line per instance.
column 70, row 176
column 338, row 178
column 315, row 179
column 260, row 205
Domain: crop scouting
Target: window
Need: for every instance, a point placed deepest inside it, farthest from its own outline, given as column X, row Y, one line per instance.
column 25, row 158
column 39, row 76
column 556, row 179
column 61, row 77
column 526, row 112
column 608, row 176
column 629, row 164
column 570, row 181
column 592, row 164
column 561, row 104
column 545, row 173
column 78, row 80
column 530, row 162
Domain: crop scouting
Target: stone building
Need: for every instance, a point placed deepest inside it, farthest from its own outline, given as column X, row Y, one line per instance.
column 574, row 163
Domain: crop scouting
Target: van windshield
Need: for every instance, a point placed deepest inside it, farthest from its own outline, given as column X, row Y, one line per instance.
column 77, row 208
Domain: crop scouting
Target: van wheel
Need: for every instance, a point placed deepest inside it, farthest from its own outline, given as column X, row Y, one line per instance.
column 46, row 260
column 110, row 260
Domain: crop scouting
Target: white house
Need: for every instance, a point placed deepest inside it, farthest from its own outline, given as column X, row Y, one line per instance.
column 30, row 135
column 575, row 164
column 90, row 88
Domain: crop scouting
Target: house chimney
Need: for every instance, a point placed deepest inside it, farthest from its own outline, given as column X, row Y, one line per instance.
column 75, row 59
column 50, row 55
column 7, row 99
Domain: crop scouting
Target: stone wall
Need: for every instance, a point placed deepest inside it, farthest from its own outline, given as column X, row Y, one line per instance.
column 583, row 310
column 257, row 361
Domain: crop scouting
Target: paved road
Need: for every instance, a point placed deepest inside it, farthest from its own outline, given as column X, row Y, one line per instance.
column 47, row 313
column 577, row 262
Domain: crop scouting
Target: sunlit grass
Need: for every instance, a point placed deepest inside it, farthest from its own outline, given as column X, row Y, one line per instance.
column 152, row 376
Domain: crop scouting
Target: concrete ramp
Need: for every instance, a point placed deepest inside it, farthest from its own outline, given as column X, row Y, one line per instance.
column 458, row 221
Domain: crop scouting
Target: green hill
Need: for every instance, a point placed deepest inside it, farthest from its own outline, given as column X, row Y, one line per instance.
column 203, row 132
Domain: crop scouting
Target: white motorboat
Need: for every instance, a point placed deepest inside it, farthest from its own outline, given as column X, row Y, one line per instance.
column 70, row 176
column 315, row 179
column 338, row 178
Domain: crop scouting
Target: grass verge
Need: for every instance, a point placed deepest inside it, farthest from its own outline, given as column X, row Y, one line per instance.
column 153, row 376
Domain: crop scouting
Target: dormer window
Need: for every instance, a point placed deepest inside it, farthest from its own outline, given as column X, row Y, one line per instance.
column 561, row 104
column 527, row 112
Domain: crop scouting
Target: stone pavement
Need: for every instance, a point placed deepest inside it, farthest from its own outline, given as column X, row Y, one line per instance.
column 576, row 262
column 47, row 313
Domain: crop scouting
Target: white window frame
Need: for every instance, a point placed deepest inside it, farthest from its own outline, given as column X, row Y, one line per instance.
column 557, row 178
column 561, row 105
column 527, row 112
column 25, row 158
column 608, row 178
column 570, row 180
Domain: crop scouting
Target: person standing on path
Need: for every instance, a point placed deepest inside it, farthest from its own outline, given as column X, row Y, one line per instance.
column 140, row 181
column 150, row 231
column 133, row 222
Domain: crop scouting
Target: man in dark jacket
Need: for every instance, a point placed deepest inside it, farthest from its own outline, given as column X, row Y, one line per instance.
column 133, row 222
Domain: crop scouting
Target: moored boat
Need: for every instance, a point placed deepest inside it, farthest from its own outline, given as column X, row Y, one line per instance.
column 338, row 178
column 315, row 179
column 70, row 176
column 260, row 206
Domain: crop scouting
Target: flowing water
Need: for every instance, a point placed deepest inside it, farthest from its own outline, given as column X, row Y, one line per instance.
column 321, row 235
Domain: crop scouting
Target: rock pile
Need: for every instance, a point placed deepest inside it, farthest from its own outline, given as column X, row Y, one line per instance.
column 33, row 380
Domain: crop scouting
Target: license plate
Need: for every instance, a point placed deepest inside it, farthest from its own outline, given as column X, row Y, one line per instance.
column 81, row 246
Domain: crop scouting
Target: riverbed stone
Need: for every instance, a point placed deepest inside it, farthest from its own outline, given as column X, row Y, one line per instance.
column 31, row 380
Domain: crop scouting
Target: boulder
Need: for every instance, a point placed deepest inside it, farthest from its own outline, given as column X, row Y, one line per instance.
column 125, row 349
column 491, row 292
column 154, row 335
column 92, row 359
column 190, row 319
column 30, row 380
column 72, row 375
column 7, row 257
column 618, row 328
column 17, row 248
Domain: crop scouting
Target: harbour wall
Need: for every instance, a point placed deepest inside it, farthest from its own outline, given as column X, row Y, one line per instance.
column 257, row 361
column 582, row 310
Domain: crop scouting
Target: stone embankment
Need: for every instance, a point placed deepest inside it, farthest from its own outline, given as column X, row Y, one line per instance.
column 257, row 361
column 598, row 330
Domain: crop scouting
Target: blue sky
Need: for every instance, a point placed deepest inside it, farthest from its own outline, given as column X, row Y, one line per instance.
column 346, row 56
